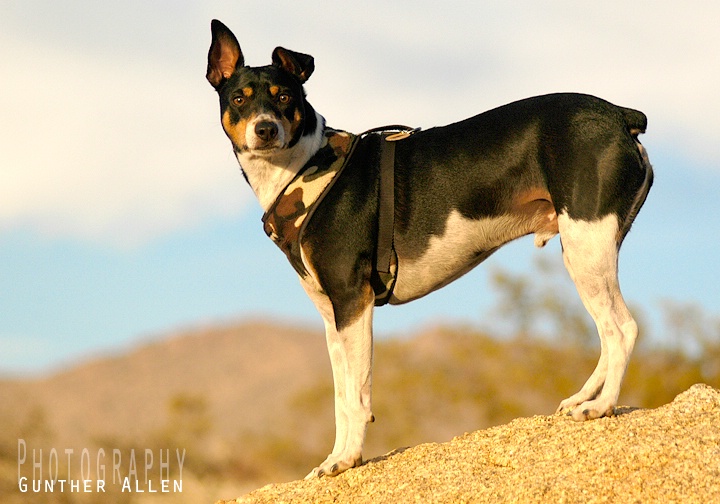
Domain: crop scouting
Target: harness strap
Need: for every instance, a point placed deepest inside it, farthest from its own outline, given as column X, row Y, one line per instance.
column 286, row 219
column 386, row 262
column 386, row 218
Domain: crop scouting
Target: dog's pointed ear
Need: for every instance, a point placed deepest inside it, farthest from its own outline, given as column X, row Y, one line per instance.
column 298, row 64
column 224, row 55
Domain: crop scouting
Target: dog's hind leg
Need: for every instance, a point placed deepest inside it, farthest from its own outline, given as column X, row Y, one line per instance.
column 590, row 252
column 350, row 349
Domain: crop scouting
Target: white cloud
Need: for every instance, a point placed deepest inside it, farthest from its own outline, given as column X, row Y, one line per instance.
column 120, row 148
column 110, row 152
column 453, row 61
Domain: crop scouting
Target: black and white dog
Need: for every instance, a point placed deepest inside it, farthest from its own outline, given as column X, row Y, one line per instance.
column 563, row 163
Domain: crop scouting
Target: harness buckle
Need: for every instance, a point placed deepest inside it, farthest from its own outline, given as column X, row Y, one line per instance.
column 401, row 135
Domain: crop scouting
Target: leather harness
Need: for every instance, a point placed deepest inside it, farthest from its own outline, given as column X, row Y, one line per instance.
column 287, row 217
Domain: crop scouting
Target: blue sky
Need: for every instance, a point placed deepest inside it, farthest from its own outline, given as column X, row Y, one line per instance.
column 123, row 214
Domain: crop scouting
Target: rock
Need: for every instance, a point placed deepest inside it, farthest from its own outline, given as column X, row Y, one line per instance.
column 668, row 454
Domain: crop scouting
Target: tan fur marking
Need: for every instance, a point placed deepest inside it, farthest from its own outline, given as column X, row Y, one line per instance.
column 288, row 127
column 532, row 194
column 313, row 279
column 247, row 91
column 274, row 90
column 536, row 204
column 535, row 201
column 235, row 132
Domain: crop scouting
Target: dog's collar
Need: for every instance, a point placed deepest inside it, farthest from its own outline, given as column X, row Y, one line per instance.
column 287, row 217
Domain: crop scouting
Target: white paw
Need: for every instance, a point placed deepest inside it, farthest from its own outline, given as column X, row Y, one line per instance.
column 590, row 410
column 569, row 404
column 334, row 465
column 576, row 400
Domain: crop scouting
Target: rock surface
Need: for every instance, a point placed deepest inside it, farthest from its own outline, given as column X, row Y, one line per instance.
column 668, row 454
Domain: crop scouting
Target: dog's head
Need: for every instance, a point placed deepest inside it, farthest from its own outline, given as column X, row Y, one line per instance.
column 263, row 109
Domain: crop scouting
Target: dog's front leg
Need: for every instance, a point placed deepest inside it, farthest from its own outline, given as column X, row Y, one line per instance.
column 350, row 349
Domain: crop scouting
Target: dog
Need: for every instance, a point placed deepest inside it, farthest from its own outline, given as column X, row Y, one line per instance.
column 433, row 204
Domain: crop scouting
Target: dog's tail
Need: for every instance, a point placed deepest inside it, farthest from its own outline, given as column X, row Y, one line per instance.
column 636, row 123
column 635, row 120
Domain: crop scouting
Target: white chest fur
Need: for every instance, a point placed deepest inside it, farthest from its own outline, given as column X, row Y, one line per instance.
column 269, row 174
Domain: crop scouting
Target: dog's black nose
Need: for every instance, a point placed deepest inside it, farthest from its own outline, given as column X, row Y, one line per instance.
column 266, row 130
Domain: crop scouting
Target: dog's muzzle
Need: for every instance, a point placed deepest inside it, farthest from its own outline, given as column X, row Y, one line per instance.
column 266, row 131
column 265, row 134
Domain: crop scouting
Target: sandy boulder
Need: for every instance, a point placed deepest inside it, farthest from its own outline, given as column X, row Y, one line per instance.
column 668, row 454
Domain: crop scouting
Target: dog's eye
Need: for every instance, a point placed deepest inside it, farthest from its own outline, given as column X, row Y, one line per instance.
column 238, row 100
column 284, row 98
